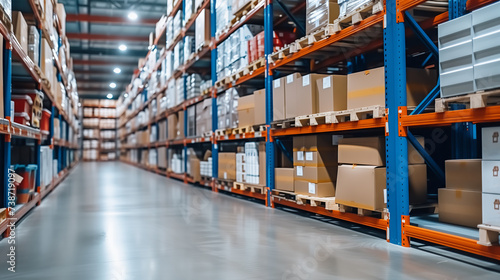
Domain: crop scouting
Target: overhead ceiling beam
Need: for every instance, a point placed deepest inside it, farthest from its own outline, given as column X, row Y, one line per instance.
column 102, row 62
column 108, row 19
column 104, row 37
column 102, row 72
column 109, row 51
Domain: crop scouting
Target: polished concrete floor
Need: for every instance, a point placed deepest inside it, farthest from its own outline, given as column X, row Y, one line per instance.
column 112, row 221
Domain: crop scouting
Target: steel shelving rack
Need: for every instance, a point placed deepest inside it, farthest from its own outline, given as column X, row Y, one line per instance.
column 390, row 30
column 98, row 127
column 62, row 148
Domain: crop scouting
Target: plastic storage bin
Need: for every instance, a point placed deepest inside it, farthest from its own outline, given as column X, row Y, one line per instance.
column 45, row 123
column 22, row 103
column 22, row 118
column 27, row 186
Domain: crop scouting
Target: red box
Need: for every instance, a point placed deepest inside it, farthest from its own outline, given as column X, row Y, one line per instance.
column 251, row 50
column 45, row 123
column 22, row 118
column 282, row 38
column 22, row 103
column 260, row 45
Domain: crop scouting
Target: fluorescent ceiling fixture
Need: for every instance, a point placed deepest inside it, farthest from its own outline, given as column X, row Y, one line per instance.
column 112, row 85
column 117, row 70
column 122, row 47
column 109, row 96
column 132, row 16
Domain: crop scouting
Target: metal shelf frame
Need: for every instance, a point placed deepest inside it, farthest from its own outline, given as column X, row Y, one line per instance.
column 397, row 25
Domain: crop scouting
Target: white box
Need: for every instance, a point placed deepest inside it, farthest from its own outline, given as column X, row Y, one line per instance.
column 491, row 209
column 491, row 176
column 491, row 143
column 240, row 177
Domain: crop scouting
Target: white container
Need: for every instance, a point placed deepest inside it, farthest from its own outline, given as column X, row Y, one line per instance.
column 491, row 143
column 491, row 176
column 491, row 209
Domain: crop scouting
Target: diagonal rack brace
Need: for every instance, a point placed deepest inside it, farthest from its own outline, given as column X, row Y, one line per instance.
column 291, row 16
column 421, row 35
column 428, row 159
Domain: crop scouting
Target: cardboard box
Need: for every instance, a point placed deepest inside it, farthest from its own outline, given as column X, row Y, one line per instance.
column 460, row 207
column 321, row 159
column 362, row 150
column 319, row 142
column 180, row 125
column 361, row 186
column 306, row 99
column 320, row 174
column 491, row 143
column 194, row 164
column 279, row 109
column 202, row 29
column 227, row 166
column 313, row 189
column 417, row 183
column 491, row 176
column 491, row 209
column 246, row 109
column 162, row 157
column 20, row 30
column 260, row 106
column 293, row 83
column 464, row 174
column 47, row 64
column 262, row 164
column 332, row 93
column 367, row 88
column 298, row 150
column 283, row 179
column 172, row 126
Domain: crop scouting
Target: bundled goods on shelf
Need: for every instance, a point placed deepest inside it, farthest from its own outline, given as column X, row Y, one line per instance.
column 153, row 108
column 189, row 48
column 202, row 29
column 206, row 165
column 107, row 103
column 240, row 168
column 171, row 95
column 227, row 104
column 233, row 52
column 251, row 109
column 34, row 44
column 320, row 13
column 153, row 158
column 179, row 91
column 88, row 112
column 160, row 26
column 193, row 165
column 90, row 144
column 490, row 176
column 90, row 103
column 162, row 157
column 46, row 168
column 162, row 131
column 203, row 117
column 153, row 134
column 169, row 30
column 193, row 86
column 26, row 188
column 20, row 30
column 107, row 112
column 191, row 121
column 108, row 145
column 361, row 179
column 238, row 5
column 175, row 125
column 142, row 118
column 90, row 154
column 57, row 129
column 251, row 162
column 223, row 15
column 91, row 133
column 6, row 6
column 144, row 158
column 256, row 44
column 108, row 124
column 142, row 137
column 152, row 86
column 175, row 161
column 177, row 24
column 94, row 122
column 106, row 134
column 205, row 85
column 28, row 106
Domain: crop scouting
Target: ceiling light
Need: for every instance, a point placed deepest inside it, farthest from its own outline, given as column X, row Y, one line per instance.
column 122, row 47
column 79, row 104
column 109, row 96
column 112, row 85
column 117, row 70
column 132, row 16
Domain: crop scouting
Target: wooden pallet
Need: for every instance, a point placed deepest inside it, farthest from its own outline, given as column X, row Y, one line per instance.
column 356, row 16
column 314, row 119
column 243, row 11
column 382, row 213
column 285, row 195
column 207, row 134
column 326, row 202
column 259, row 63
column 488, row 235
column 223, row 132
column 259, row 127
column 280, row 53
column 250, row 187
column 243, row 129
column 286, row 123
column 480, row 99
column 371, row 112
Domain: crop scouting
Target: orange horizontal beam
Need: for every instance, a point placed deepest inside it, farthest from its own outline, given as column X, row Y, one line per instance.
column 350, row 217
column 322, row 128
column 104, row 37
column 108, row 19
column 453, row 241
column 480, row 115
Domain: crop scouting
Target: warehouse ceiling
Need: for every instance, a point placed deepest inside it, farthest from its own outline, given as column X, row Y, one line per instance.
column 96, row 29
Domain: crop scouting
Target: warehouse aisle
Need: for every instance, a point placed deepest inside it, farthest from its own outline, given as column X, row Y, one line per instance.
column 112, row 221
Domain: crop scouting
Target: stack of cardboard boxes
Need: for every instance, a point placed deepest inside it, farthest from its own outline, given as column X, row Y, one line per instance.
column 315, row 165
column 362, row 176
column 248, row 166
column 491, row 176
column 251, row 109
column 460, row 201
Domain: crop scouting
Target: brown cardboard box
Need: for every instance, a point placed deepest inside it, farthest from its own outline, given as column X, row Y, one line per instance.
column 279, row 110
column 362, row 150
column 194, row 163
column 227, row 166
column 306, row 99
column 162, row 157
column 361, row 186
column 20, row 30
column 332, row 93
column 319, row 142
column 320, row 174
column 417, row 182
column 260, row 106
column 367, row 88
column 460, row 207
column 246, row 110
column 293, row 83
column 464, row 174
column 47, row 63
column 172, row 126
column 313, row 189
column 262, row 164
column 180, row 125
column 283, row 179
column 298, row 150
column 320, row 159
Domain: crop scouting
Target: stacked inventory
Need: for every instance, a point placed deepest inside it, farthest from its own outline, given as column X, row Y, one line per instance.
column 99, row 130
column 490, row 176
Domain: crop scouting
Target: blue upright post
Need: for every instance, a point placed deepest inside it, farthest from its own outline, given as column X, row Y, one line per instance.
column 59, row 149
column 7, row 81
column 185, row 128
column 213, row 68
column 268, row 50
column 396, row 144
